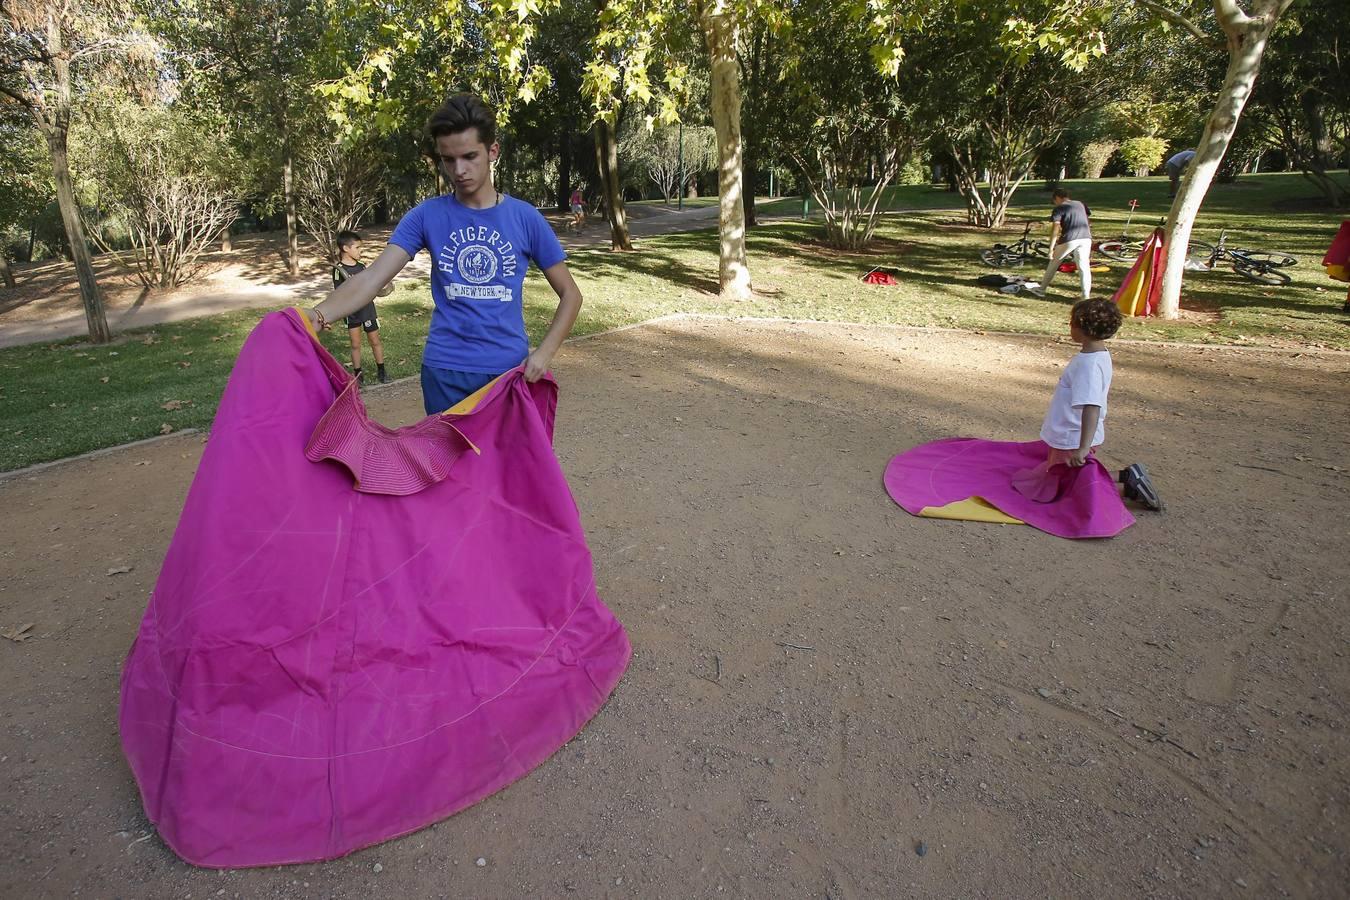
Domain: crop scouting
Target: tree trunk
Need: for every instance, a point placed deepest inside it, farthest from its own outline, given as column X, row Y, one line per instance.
column 292, row 228
column 719, row 31
column 607, row 160
column 226, row 245
column 5, row 274
column 1246, row 43
column 54, row 122
column 565, row 169
column 751, row 219
column 94, row 315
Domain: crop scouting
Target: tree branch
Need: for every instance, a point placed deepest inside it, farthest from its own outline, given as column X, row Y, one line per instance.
column 18, row 98
column 1230, row 15
column 1181, row 21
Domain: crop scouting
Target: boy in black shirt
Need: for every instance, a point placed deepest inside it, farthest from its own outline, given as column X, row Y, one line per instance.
column 349, row 264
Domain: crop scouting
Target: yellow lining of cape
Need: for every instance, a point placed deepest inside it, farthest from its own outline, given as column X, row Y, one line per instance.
column 470, row 403
column 971, row 509
column 309, row 326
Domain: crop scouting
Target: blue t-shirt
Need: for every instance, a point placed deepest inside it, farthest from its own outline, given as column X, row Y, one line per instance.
column 479, row 261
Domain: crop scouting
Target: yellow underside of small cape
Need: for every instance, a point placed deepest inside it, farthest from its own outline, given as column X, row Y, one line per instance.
column 470, row 403
column 971, row 509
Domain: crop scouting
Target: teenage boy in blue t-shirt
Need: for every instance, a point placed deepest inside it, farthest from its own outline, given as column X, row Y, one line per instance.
column 481, row 243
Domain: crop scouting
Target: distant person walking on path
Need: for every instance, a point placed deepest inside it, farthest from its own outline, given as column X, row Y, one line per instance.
column 1070, row 235
column 481, row 242
column 1176, row 167
column 578, row 204
column 365, row 318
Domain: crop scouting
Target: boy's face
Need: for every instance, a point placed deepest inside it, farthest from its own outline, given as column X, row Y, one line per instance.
column 352, row 250
column 1077, row 334
column 466, row 160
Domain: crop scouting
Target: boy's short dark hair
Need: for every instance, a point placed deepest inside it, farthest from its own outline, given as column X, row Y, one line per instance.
column 1060, row 194
column 1099, row 318
column 346, row 238
column 462, row 112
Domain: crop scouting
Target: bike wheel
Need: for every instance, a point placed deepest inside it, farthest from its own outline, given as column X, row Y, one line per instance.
column 1265, row 258
column 1040, row 249
column 1199, row 251
column 1121, row 250
column 1000, row 258
column 1260, row 273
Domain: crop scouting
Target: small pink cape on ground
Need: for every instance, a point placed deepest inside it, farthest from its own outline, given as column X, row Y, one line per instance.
column 346, row 647
column 931, row 476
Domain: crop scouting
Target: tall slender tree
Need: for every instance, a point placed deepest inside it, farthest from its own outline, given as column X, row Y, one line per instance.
column 49, row 49
column 1245, row 35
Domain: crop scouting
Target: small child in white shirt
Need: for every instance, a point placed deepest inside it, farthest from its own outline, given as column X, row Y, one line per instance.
column 1075, row 424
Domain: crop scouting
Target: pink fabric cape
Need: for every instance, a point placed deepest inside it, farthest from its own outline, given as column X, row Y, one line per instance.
column 348, row 645
column 933, row 475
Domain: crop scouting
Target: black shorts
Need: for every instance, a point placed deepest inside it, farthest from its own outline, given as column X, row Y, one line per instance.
column 364, row 318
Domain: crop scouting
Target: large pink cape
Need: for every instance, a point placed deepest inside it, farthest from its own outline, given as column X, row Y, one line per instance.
column 359, row 631
column 1086, row 504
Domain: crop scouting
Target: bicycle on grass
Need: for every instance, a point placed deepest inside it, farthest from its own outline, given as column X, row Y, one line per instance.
column 1124, row 248
column 1261, row 266
column 1007, row 256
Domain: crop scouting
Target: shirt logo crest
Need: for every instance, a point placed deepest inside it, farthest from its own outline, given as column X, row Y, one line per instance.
column 476, row 263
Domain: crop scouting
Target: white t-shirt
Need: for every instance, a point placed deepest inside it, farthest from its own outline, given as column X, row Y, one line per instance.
column 1085, row 382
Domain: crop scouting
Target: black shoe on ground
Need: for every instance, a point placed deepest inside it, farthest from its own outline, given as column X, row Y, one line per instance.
column 1138, row 486
column 383, row 376
column 360, row 379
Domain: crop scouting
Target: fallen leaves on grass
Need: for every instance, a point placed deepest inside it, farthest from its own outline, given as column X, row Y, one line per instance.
column 174, row 404
column 166, row 428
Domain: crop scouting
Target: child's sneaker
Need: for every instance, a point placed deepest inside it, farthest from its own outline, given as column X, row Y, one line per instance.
column 360, row 378
column 1138, row 486
column 1034, row 289
column 383, row 375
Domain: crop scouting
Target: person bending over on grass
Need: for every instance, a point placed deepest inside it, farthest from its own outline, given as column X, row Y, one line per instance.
column 1075, row 424
column 481, row 242
column 1176, row 167
column 1070, row 235
column 365, row 318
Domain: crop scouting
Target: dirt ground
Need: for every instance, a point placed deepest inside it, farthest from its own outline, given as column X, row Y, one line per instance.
column 1162, row 714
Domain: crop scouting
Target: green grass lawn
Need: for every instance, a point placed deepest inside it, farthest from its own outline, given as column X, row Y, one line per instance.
column 57, row 400
column 689, row 202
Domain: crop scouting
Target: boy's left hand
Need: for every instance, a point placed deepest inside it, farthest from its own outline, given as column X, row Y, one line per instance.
column 536, row 365
column 1078, row 457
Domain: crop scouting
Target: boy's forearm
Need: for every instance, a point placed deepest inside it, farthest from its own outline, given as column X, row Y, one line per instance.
column 569, row 307
column 348, row 297
column 361, row 288
column 1091, row 416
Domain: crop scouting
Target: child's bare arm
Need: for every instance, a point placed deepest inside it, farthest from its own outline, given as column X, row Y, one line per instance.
column 1091, row 416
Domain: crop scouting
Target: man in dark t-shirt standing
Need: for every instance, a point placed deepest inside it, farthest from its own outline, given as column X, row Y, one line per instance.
column 1070, row 235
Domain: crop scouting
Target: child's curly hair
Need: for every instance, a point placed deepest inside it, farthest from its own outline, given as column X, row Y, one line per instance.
column 1097, row 318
